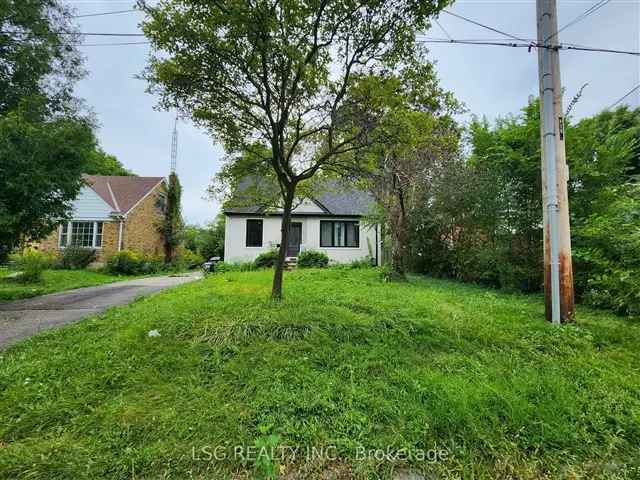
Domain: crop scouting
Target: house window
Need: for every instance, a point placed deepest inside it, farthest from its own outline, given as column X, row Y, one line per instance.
column 81, row 234
column 64, row 235
column 339, row 234
column 254, row 233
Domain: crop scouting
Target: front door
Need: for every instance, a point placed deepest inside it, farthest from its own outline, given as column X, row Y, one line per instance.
column 295, row 239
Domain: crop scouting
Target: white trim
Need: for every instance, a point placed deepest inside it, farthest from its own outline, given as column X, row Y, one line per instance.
column 70, row 232
column 120, row 235
column 113, row 197
column 145, row 196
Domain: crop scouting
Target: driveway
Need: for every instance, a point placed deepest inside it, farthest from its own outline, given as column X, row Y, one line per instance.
column 24, row 318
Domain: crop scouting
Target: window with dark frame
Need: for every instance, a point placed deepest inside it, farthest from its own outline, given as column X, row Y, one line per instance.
column 254, row 233
column 340, row 233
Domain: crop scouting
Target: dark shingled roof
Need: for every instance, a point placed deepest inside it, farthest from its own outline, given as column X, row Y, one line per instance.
column 336, row 198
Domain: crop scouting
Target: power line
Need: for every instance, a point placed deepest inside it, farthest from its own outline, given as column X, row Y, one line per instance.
column 115, row 44
column 442, row 28
column 116, row 12
column 484, row 26
column 594, row 8
column 88, row 34
column 625, row 96
column 527, row 45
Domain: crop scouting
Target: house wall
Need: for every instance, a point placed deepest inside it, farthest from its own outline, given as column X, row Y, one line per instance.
column 236, row 231
column 141, row 225
column 140, row 229
column 109, row 240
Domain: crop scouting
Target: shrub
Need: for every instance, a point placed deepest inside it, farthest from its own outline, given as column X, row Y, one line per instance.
column 31, row 265
column 312, row 259
column 267, row 259
column 73, row 258
column 189, row 259
column 364, row 262
column 223, row 267
column 125, row 262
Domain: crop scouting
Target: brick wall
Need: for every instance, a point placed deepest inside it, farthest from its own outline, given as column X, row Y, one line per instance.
column 141, row 227
column 140, row 231
column 109, row 241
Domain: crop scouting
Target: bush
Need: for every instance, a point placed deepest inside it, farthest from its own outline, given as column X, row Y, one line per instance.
column 31, row 265
column 189, row 259
column 73, row 258
column 125, row 263
column 266, row 259
column 312, row 259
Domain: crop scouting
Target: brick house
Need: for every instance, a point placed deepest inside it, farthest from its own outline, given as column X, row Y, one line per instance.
column 113, row 213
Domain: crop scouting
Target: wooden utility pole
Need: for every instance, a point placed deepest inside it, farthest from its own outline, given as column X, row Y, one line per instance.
column 558, row 269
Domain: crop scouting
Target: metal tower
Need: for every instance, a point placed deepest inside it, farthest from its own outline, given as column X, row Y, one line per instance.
column 174, row 146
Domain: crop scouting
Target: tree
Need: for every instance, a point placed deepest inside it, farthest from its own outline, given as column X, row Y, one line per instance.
column 207, row 241
column 41, row 162
column 276, row 74
column 37, row 60
column 172, row 225
column 410, row 132
column 44, row 140
column 101, row 163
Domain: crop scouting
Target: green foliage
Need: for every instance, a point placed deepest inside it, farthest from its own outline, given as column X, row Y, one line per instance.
column 44, row 62
column 206, row 241
column 312, row 259
column 124, row 262
column 189, row 259
column 73, row 258
column 172, row 226
column 344, row 360
column 408, row 120
column 39, row 155
column 31, row 264
column 225, row 267
column 607, row 252
column 266, row 259
column 101, row 163
column 482, row 219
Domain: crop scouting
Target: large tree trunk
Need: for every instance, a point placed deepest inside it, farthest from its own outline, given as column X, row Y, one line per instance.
column 276, row 291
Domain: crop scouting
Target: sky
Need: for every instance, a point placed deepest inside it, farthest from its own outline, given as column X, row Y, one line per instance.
column 491, row 81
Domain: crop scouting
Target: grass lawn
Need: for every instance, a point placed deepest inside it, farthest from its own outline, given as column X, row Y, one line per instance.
column 345, row 364
column 53, row 281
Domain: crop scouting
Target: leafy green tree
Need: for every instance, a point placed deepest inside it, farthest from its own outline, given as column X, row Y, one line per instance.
column 172, row 226
column 45, row 143
column 41, row 162
column 101, row 163
column 408, row 120
column 276, row 74
column 207, row 241
column 38, row 61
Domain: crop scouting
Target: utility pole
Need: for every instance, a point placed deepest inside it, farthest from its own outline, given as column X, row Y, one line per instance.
column 558, row 269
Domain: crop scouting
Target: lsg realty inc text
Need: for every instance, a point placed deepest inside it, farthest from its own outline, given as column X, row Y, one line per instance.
column 290, row 453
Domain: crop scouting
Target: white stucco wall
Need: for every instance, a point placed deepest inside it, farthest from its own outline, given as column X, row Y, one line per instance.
column 235, row 239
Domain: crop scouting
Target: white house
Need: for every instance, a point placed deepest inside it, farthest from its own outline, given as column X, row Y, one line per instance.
column 332, row 223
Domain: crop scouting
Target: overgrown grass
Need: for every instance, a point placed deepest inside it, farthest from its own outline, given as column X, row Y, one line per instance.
column 52, row 281
column 345, row 362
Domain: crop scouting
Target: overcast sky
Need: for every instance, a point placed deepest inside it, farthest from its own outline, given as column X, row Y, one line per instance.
column 491, row 81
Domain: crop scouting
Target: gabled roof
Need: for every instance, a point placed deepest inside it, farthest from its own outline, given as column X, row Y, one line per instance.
column 122, row 193
column 335, row 198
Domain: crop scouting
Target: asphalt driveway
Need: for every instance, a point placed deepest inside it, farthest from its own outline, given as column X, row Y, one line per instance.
column 24, row 318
